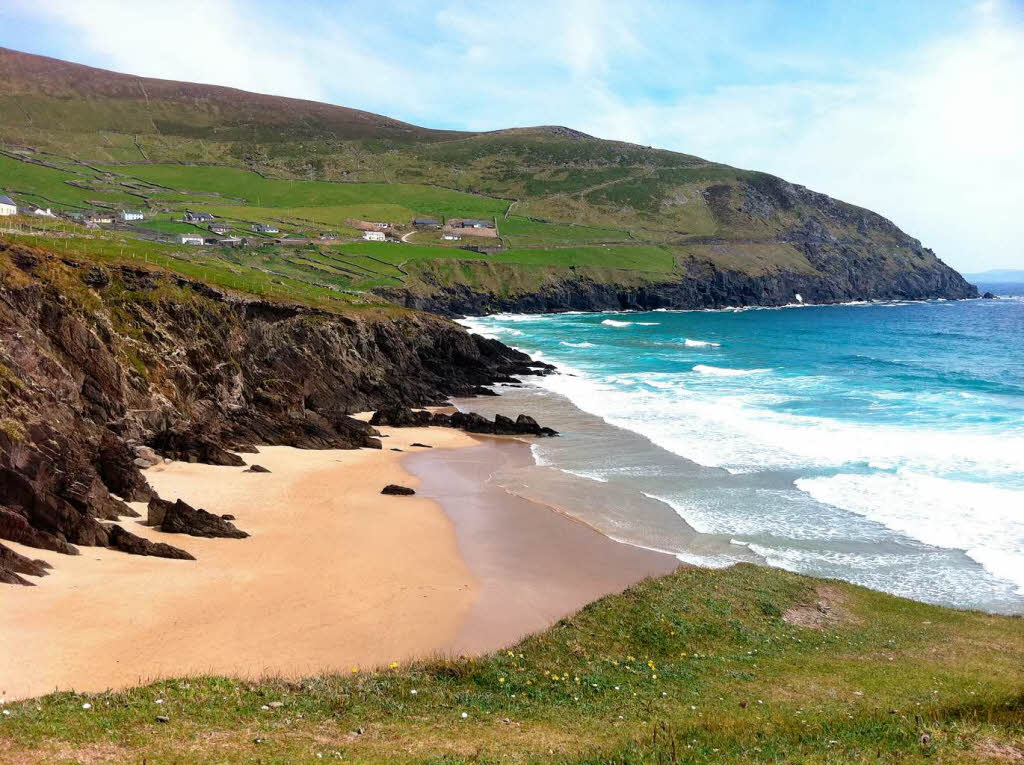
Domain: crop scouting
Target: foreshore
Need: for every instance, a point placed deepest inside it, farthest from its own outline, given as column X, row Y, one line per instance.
column 335, row 577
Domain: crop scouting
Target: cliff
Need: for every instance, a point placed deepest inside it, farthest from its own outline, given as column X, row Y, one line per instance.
column 97, row 361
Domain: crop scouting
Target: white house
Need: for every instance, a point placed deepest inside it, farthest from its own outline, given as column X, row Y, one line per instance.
column 127, row 215
column 266, row 228
column 47, row 213
column 451, row 237
column 191, row 239
column 373, row 236
column 7, row 206
column 197, row 217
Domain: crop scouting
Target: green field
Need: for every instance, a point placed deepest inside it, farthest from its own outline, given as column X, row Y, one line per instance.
column 523, row 231
column 263, row 192
column 730, row 666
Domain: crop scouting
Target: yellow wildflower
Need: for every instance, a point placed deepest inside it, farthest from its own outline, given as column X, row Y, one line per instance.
column 501, row 679
column 393, row 665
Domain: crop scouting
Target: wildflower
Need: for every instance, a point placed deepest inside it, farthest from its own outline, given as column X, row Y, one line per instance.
column 413, row 692
column 654, row 677
column 501, row 680
column 159, row 701
column 87, row 705
column 355, row 670
column 465, row 715
column 630, row 658
column 510, row 653
column 393, row 665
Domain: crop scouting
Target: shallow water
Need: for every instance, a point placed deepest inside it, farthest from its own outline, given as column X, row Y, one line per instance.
column 879, row 443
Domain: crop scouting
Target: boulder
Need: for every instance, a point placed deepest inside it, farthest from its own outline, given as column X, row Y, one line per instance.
column 127, row 542
column 256, row 469
column 395, row 489
column 190, row 446
column 12, row 564
column 988, row 296
column 182, row 518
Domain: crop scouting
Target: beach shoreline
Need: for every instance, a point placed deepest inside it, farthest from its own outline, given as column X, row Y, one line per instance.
column 334, row 578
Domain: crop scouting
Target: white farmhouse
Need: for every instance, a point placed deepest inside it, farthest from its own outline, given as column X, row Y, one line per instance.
column 191, row 239
column 127, row 215
column 373, row 236
column 7, row 206
column 47, row 213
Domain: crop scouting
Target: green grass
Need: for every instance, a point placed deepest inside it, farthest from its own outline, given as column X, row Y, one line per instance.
column 252, row 188
column 523, row 231
column 699, row 666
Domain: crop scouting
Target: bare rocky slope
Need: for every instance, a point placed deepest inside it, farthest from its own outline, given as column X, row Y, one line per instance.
column 96, row 362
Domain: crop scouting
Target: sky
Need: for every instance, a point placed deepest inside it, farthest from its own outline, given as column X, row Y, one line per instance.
column 913, row 108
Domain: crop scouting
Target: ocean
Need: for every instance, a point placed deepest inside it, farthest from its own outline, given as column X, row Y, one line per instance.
column 880, row 443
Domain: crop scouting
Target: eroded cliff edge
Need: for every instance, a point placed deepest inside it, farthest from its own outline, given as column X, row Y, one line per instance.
column 96, row 360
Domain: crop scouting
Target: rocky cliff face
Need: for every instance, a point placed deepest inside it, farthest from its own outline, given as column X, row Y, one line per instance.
column 841, row 252
column 96, row 362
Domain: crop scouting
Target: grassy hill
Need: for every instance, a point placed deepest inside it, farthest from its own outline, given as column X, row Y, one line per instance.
column 608, row 224
column 743, row 665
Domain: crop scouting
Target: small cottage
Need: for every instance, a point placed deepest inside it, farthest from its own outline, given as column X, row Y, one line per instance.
column 197, row 217
column 7, row 206
column 191, row 239
column 374, row 236
column 265, row 228
column 426, row 222
column 220, row 228
column 129, row 215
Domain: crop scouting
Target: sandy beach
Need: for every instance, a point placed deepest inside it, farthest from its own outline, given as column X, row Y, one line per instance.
column 334, row 576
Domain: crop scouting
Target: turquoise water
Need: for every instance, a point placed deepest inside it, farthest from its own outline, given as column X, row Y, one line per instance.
column 881, row 443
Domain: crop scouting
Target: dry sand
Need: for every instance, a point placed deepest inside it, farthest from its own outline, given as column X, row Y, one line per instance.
column 334, row 576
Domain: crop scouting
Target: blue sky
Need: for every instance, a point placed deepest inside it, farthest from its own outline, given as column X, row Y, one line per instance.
column 913, row 109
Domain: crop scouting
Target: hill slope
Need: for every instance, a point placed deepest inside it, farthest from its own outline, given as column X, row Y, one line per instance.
column 585, row 223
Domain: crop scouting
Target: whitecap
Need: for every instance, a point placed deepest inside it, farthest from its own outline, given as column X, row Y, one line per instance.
column 614, row 323
column 700, row 344
column 707, row 369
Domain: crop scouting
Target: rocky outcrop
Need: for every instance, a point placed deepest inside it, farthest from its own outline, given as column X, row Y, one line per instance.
column 12, row 564
column 96, row 362
column 130, row 543
column 182, row 518
column 471, row 422
column 398, row 491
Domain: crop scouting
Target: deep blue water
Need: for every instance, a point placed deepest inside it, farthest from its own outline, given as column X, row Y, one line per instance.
column 882, row 443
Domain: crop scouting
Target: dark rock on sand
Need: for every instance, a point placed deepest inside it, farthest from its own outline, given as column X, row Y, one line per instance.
column 422, row 446
column 228, row 517
column 12, row 564
column 182, row 518
column 471, row 422
column 395, row 449
column 988, row 296
column 256, row 469
column 127, row 542
column 395, row 489
column 190, row 446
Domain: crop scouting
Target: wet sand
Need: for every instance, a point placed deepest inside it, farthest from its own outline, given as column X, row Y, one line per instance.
column 534, row 565
column 334, row 575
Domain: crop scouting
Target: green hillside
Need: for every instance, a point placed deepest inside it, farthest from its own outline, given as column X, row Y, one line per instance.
column 607, row 224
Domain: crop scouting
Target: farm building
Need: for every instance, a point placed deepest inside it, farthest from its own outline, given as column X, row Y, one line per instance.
column 220, row 228
column 96, row 218
column 233, row 241
column 474, row 223
column 127, row 215
column 197, row 217
column 373, row 236
column 426, row 222
column 452, row 238
column 191, row 239
column 47, row 213
column 7, row 206
column 265, row 228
